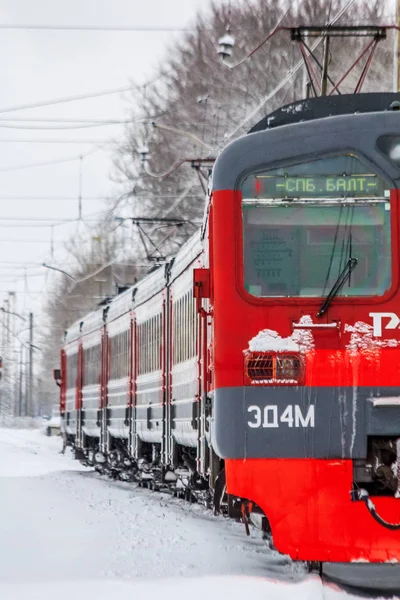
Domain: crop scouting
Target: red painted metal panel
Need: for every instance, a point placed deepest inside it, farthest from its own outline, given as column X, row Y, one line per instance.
column 306, row 500
column 79, row 379
column 63, row 386
column 310, row 512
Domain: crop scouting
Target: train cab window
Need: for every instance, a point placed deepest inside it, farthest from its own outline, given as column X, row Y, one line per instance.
column 303, row 223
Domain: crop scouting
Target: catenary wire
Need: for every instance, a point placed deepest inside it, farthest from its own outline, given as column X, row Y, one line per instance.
column 129, row 28
column 281, row 84
column 59, row 141
column 49, row 162
column 79, row 97
column 66, row 99
column 57, row 120
column 62, row 127
column 266, row 39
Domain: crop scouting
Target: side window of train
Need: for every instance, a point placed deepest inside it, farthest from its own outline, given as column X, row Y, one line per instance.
column 184, row 328
column 72, row 371
column 91, row 365
column 303, row 222
column 149, row 335
column 119, row 355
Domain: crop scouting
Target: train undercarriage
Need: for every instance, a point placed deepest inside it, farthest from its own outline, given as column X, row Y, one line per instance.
column 181, row 479
column 377, row 475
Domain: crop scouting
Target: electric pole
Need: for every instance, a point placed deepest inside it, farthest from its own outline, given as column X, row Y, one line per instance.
column 20, row 390
column 30, row 386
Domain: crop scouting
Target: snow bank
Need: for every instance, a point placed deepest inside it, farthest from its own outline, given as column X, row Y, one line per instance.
column 213, row 588
column 68, row 535
column 27, row 453
column 20, row 422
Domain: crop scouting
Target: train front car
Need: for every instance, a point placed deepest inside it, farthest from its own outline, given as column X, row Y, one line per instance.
column 305, row 292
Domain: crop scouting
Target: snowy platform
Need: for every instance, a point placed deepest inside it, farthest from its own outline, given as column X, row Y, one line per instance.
column 67, row 533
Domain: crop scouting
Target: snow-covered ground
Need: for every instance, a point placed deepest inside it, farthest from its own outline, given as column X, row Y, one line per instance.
column 67, row 533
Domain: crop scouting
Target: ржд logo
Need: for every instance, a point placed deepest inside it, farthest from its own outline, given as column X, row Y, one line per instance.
column 377, row 318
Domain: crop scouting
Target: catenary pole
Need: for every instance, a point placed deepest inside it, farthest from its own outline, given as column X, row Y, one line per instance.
column 30, row 387
column 20, row 386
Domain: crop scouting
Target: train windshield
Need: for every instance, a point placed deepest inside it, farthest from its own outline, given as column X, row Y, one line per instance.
column 304, row 223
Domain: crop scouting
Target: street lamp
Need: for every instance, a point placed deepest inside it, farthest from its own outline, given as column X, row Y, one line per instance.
column 10, row 312
column 59, row 270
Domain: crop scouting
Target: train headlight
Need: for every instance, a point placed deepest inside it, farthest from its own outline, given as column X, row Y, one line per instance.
column 288, row 367
column 266, row 368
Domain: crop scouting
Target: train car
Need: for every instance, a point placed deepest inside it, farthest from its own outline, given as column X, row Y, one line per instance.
column 305, row 295
column 91, row 339
column 263, row 360
column 118, row 369
column 70, row 389
column 184, row 359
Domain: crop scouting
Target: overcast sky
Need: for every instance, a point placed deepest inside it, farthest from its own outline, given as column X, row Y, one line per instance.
column 37, row 66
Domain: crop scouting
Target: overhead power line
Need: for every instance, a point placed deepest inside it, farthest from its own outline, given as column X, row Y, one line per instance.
column 144, row 28
column 79, row 97
column 48, row 162
column 55, row 197
column 27, row 264
column 49, row 141
column 42, row 226
column 61, row 127
column 57, row 221
column 25, row 241
column 52, row 197
column 283, row 81
column 65, row 99
column 58, row 120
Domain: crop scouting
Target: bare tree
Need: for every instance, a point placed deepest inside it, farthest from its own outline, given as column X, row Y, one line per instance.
column 195, row 94
column 198, row 105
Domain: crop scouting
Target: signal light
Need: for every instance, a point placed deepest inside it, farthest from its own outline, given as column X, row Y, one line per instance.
column 266, row 368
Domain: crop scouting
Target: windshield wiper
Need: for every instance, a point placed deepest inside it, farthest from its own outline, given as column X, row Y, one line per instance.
column 337, row 286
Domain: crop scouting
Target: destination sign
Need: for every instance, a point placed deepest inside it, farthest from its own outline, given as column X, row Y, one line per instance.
column 280, row 186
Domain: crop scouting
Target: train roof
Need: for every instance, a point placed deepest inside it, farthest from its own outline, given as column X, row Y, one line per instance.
column 73, row 332
column 153, row 283
column 328, row 106
column 189, row 251
column 121, row 304
column 305, row 140
column 92, row 321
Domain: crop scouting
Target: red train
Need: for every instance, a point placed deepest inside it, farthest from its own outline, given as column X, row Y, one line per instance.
column 266, row 353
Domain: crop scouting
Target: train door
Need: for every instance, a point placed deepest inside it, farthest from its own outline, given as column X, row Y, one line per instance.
column 78, row 398
column 165, row 443
column 201, row 293
column 63, row 385
column 167, row 336
column 132, row 441
column 104, row 376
